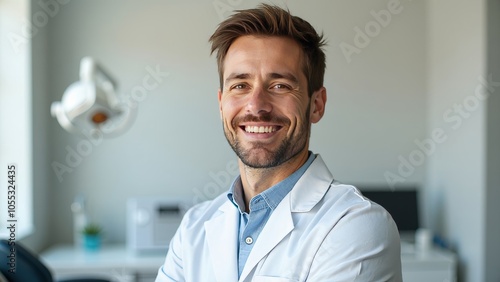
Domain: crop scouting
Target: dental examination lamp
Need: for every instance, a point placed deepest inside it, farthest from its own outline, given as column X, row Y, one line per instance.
column 90, row 106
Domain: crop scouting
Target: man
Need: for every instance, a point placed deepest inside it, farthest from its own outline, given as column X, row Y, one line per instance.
column 284, row 218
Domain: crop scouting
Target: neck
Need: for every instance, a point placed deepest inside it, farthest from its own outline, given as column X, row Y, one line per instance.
column 257, row 180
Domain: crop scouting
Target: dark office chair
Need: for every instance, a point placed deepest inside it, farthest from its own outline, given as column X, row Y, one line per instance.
column 27, row 266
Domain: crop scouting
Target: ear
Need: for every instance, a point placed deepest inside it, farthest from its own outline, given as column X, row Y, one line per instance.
column 318, row 103
column 219, row 97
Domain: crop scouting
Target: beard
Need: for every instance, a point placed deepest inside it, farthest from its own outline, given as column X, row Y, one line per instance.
column 251, row 154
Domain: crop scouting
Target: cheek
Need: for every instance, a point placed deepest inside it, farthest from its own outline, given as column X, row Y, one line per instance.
column 296, row 107
column 229, row 108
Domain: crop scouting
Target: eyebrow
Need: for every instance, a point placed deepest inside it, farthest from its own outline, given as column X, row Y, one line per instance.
column 234, row 76
column 285, row 75
column 272, row 75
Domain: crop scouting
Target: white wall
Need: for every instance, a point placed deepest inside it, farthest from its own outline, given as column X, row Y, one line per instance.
column 376, row 106
column 456, row 175
column 42, row 122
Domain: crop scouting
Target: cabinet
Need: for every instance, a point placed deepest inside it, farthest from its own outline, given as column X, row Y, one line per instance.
column 113, row 262
column 429, row 265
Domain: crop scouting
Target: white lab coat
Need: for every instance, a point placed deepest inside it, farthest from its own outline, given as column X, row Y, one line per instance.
column 320, row 231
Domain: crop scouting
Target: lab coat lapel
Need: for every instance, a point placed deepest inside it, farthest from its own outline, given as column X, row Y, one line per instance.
column 307, row 192
column 221, row 234
column 277, row 227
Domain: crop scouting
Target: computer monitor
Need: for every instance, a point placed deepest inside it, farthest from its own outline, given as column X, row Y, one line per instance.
column 401, row 204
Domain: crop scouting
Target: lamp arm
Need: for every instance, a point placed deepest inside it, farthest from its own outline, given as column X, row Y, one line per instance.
column 90, row 69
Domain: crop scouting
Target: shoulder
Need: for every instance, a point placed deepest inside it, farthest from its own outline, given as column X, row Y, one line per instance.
column 203, row 211
column 363, row 225
column 348, row 218
column 347, row 196
column 333, row 202
column 362, row 233
column 355, row 209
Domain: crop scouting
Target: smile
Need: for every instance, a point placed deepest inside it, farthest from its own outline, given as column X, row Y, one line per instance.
column 260, row 129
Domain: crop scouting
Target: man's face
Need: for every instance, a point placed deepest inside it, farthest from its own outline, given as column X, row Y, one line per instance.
column 264, row 103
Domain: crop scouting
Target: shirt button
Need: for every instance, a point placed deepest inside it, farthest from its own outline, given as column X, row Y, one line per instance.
column 248, row 240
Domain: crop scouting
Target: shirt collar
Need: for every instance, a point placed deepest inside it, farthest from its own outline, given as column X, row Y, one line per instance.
column 272, row 195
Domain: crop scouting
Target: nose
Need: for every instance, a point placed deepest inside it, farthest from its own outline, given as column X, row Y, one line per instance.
column 259, row 102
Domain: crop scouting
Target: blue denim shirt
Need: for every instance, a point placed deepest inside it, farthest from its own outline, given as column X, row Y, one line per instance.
column 261, row 207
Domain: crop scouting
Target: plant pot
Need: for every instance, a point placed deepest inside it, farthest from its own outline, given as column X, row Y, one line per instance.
column 92, row 242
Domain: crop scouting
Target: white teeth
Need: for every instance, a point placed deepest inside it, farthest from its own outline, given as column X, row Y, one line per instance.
column 260, row 129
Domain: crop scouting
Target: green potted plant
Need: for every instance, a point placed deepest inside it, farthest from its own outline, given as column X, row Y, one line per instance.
column 92, row 236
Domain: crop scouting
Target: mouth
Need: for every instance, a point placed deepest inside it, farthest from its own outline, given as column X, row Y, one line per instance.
column 263, row 128
column 260, row 132
column 260, row 129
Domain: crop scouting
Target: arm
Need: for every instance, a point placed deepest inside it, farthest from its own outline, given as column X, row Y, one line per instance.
column 363, row 246
column 172, row 269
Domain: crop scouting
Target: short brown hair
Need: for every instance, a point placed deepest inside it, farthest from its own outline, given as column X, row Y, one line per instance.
column 267, row 20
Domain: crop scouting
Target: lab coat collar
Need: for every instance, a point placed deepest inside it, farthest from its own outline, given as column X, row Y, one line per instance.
column 307, row 192
column 311, row 187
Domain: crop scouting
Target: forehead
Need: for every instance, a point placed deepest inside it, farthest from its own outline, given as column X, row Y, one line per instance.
column 263, row 54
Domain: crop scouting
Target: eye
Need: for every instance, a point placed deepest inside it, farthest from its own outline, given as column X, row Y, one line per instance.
column 239, row 86
column 281, row 86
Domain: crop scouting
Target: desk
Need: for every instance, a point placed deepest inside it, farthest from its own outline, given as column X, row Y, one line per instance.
column 116, row 263
column 113, row 262
column 430, row 265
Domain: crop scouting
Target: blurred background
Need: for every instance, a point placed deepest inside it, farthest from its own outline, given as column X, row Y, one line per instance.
column 412, row 103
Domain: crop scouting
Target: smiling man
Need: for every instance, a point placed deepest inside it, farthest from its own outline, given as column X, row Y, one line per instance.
column 284, row 217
